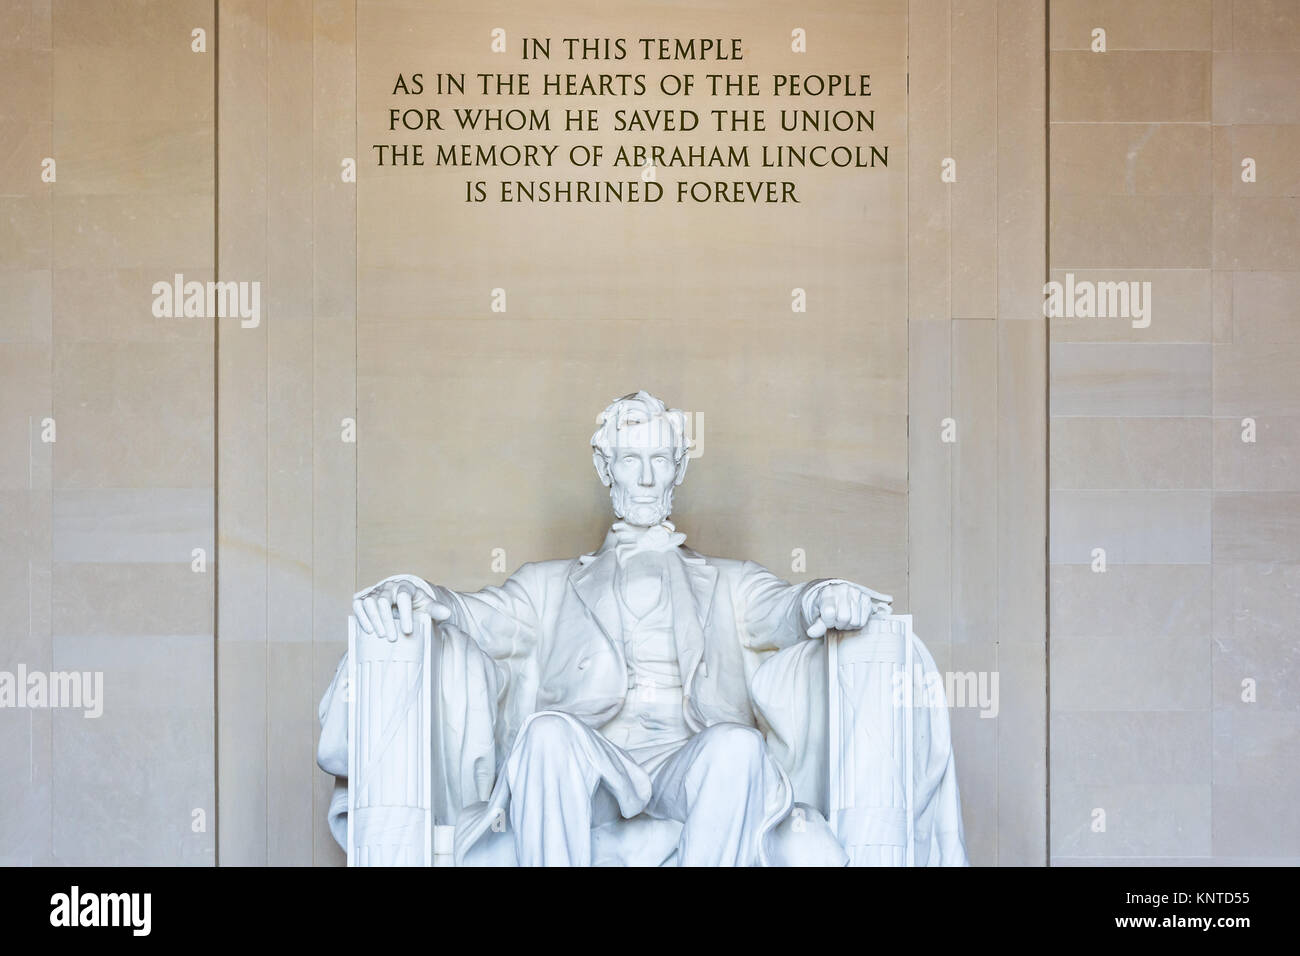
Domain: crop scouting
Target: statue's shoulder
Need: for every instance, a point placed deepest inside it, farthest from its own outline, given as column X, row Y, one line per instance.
column 740, row 572
column 550, row 568
column 727, row 566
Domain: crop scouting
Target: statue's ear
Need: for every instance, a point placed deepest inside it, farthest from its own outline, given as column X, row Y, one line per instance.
column 602, row 468
column 678, row 418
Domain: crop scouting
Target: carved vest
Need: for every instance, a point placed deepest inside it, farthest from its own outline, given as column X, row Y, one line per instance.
column 651, row 719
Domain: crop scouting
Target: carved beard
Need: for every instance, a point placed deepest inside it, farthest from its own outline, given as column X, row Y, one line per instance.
column 642, row 514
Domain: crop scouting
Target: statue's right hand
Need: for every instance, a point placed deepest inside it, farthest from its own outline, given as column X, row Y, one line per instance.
column 391, row 606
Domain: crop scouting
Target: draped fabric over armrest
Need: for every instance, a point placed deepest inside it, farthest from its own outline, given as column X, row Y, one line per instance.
column 422, row 731
column 892, row 798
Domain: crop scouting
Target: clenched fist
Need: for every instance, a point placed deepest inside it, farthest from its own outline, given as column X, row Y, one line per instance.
column 844, row 606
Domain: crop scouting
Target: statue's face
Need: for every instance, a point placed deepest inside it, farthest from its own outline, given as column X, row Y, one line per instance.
column 642, row 471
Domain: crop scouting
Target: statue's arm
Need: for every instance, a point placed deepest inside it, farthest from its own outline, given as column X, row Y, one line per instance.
column 502, row 620
column 775, row 613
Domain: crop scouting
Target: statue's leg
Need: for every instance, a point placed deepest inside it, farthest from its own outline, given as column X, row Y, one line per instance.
column 722, row 785
column 552, row 781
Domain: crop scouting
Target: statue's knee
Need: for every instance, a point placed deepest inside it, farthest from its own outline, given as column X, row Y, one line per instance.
column 734, row 747
column 549, row 733
column 548, row 753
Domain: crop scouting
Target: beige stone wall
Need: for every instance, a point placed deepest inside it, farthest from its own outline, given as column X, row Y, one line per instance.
column 475, row 423
column 821, row 431
column 287, row 480
column 98, row 527
column 1148, row 658
column 977, row 355
column 472, row 426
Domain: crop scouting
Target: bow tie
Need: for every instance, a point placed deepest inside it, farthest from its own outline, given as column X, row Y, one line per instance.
column 662, row 537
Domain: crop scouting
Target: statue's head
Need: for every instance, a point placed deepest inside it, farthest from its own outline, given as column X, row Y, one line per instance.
column 640, row 451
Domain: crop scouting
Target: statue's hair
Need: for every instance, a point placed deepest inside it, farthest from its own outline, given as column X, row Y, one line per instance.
column 628, row 411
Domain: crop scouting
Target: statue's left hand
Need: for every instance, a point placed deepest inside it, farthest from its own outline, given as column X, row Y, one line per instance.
column 844, row 607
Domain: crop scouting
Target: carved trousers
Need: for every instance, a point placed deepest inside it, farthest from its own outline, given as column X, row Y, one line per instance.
column 721, row 785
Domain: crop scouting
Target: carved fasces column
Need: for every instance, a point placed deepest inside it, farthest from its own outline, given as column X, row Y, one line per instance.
column 391, row 686
column 871, row 799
